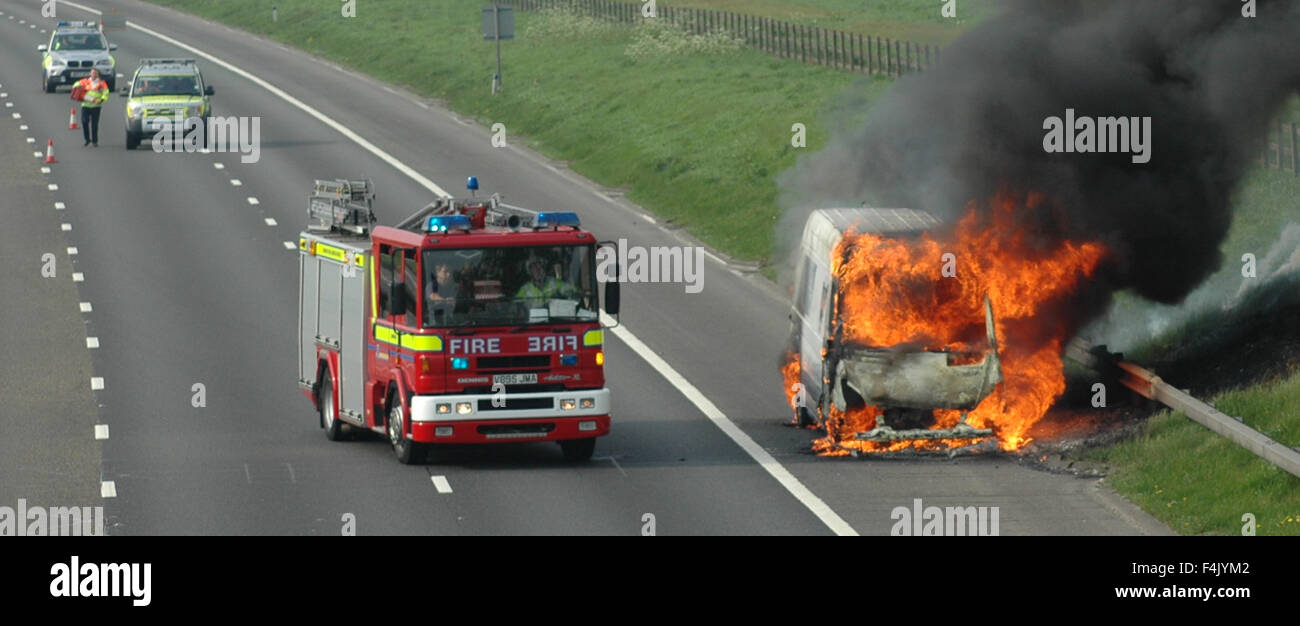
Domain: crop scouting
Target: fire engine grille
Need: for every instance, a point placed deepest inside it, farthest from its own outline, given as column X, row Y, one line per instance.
column 514, row 362
column 514, row 404
column 519, row 431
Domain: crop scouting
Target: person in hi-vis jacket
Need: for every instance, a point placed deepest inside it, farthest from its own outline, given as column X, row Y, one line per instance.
column 96, row 95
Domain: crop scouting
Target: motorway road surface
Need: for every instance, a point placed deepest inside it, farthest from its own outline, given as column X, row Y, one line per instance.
column 191, row 283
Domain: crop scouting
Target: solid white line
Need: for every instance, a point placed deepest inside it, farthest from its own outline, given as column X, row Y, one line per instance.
column 253, row 201
column 72, row 251
column 236, row 182
column 107, row 489
column 78, row 277
column 440, row 483
column 85, row 307
column 715, row 415
column 60, row 206
column 288, row 245
column 96, row 383
column 765, row 460
column 101, row 431
column 270, row 221
column 92, row 343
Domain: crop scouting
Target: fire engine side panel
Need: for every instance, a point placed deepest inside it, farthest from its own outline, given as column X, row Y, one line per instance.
column 308, row 283
column 353, row 341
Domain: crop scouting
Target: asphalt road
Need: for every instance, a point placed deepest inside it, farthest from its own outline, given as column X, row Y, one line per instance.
column 191, row 285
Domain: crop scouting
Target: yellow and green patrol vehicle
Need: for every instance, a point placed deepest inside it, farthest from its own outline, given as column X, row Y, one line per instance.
column 162, row 91
column 74, row 49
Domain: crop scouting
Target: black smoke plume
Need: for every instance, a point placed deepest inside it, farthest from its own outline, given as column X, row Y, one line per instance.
column 1210, row 78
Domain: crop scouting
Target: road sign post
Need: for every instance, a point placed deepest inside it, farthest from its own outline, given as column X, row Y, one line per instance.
column 498, row 24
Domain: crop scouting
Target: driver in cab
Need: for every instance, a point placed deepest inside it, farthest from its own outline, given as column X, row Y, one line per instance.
column 540, row 288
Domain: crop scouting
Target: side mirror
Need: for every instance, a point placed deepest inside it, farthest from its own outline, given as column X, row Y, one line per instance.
column 112, row 47
column 207, row 91
column 41, row 48
column 611, row 297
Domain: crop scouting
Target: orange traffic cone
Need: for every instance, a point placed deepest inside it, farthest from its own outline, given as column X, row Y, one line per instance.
column 49, row 152
column 72, row 119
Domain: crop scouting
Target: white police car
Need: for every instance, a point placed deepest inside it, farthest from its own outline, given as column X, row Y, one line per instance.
column 74, row 49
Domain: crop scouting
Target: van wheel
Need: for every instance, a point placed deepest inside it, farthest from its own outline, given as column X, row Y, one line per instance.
column 333, row 426
column 578, row 449
column 407, row 451
column 132, row 140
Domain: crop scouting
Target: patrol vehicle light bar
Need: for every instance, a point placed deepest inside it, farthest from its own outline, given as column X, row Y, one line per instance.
column 166, row 61
column 444, row 223
column 553, row 219
column 73, row 24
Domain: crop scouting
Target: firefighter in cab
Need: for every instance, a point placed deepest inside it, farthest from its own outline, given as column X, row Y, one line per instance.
column 541, row 287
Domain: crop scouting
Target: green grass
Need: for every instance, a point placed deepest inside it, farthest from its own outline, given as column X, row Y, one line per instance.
column 908, row 20
column 696, row 138
column 1201, row 483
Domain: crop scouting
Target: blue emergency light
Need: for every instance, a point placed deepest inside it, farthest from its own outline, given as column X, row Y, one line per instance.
column 555, row 218
column 472, row 183
column 444, row 223
column 460, row 363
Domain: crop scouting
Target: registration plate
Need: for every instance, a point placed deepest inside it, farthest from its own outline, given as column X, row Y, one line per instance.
column 514, row 379
column 80, row 74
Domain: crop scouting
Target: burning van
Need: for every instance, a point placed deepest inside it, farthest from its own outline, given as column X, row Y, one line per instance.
column 905, row 383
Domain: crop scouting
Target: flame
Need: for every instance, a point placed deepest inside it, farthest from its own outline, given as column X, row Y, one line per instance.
column 894, row 292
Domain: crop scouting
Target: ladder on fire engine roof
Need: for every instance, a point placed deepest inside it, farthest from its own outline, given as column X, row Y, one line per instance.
column 497, row 213
column 341, row 205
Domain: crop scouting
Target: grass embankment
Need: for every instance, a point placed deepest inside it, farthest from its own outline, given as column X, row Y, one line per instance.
column 694, row 128
column 1200, row 483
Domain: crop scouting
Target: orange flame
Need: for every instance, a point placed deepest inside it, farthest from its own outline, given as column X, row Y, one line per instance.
column 893, row 292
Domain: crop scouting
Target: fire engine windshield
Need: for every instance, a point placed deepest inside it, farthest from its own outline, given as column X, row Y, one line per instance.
column 508, row 286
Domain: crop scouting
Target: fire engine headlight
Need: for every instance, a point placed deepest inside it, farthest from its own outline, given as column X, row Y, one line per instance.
column 568, row 404
column 444, row 408
column 464, row 408
column 442, row 431
column 460, row 363
column 587, row 403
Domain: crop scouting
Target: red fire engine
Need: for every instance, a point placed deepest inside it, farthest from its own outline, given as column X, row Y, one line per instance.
column 471, row 321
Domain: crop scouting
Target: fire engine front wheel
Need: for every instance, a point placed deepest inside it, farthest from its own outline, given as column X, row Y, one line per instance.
column 407, row 451
column 578, row 449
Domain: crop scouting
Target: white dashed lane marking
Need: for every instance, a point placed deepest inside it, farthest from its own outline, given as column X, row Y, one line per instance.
column 96, row 383
column 101, row 431
column 92, row 343
column 107, row 489
column 85, row 307
column 270, row 221
column 440, row 483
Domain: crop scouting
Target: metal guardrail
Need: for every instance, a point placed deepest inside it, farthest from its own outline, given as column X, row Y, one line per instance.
column 1147, row 384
